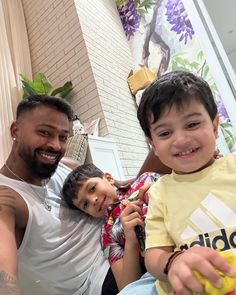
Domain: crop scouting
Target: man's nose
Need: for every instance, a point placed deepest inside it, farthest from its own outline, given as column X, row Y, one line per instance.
column 55, row 144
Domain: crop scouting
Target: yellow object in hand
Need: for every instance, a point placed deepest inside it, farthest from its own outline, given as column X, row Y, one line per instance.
column 229, row 286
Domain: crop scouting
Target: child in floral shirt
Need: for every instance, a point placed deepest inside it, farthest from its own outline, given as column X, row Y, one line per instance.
column 90, row 190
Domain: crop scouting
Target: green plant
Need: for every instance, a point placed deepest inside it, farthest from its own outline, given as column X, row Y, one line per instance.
column 42, row 86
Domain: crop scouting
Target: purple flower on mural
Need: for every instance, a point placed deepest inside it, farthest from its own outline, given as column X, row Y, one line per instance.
column 222, row 111
column 129, row 18
column 177, row 16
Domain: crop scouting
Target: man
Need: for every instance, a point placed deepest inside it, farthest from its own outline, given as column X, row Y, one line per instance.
column 49, row 248
column 56, row 248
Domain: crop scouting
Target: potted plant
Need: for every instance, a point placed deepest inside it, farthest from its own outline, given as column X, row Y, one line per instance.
column 42, row 86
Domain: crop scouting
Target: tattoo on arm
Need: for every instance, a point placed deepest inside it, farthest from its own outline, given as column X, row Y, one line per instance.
column 7, row 201
column 8, row 284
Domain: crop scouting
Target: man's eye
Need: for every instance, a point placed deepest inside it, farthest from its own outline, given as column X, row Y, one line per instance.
column 43, row 132
column 64, row 138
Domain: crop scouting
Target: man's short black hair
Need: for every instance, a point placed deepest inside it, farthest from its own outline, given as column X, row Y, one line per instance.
column 75, row 180
column 174, row 88
column 34, row 101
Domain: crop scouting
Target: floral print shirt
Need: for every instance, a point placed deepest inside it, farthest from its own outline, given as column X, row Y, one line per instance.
column 113, row 240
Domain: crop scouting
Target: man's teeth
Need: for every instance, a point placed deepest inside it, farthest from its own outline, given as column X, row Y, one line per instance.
column 49, row 157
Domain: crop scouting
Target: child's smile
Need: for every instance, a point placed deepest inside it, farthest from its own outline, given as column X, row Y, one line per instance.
column 184, row 139
column 95, row 195
column 187, row 153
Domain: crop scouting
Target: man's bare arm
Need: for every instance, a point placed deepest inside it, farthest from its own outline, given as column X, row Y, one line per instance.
column 153, row 164
column 8, row 285
column 8, row 248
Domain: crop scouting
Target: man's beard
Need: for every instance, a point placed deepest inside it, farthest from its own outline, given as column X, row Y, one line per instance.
column 38, row 169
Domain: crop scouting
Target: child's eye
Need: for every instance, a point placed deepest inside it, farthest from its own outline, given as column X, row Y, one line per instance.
column 93, row 188
column 164, row 134
column 85, row 205
column 193, row 125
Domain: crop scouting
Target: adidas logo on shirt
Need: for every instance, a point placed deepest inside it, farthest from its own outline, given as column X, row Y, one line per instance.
column 211, row 220
column 222, row 242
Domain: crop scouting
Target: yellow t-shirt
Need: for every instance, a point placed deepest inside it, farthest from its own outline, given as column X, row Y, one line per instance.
column 194, row 209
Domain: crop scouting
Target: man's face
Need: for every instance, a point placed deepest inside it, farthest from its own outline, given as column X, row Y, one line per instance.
column 185, row 139
column 41, row 136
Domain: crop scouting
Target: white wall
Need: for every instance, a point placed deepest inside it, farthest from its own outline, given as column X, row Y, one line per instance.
column 111, row 61
column 232, row 58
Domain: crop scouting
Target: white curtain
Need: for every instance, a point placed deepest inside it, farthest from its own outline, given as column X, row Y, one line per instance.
column 14, row 59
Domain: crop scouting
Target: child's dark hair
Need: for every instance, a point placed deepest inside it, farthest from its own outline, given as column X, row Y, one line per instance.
column 34, row 101
column 174, row 88
column 75, row 180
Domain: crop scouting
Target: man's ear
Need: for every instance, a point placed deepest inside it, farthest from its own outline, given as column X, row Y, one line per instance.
column 215, row 123
column 14, row 130
column 109, row 177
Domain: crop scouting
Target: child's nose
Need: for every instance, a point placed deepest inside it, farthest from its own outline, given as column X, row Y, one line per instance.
column 95, row 200
column 181, row 138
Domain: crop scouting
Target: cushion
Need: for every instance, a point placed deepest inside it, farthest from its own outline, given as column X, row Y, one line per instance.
column 77, row 147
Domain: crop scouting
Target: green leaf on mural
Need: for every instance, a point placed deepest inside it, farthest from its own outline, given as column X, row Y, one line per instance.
column 225, row 125
column 200, row 55
column 231, row 141
column 141, row 12
column 144, row 4
column 120, row 2
column 194, row 65
column 230, row 138
column 205, row 72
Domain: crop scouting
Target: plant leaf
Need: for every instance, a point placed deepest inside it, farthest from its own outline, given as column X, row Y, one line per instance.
column 64, row 90
column 41, row 84
column 26, row 80
column 27, row 89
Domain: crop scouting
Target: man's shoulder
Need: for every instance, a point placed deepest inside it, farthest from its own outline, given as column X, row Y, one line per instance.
column 61, row 171
column 6, row 186
column 11, row 198
column 6, row 189
column 58, row 178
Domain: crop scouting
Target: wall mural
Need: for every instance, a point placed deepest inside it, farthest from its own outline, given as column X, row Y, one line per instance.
column 161, row 37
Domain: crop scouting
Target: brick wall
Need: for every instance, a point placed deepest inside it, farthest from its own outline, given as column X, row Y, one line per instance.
column 58, row 49
column 83, row 41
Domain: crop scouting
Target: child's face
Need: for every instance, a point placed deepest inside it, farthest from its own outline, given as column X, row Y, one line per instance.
column 95, row 195
column 185, row 139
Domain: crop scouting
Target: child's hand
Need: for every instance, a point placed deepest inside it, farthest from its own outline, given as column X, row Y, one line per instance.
column 201, row 259
column 142, row 194
column 130, row 217
column 229, row 287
